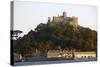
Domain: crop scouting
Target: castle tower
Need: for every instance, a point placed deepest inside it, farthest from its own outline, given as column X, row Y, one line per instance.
column 75, row 22
column 64, row 14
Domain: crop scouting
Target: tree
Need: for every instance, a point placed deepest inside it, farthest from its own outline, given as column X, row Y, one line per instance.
column 15, row 34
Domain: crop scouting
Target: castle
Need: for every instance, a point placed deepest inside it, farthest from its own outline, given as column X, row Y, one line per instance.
column 64, row 19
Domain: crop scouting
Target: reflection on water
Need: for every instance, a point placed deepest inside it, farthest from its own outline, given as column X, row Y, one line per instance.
column 51, row 62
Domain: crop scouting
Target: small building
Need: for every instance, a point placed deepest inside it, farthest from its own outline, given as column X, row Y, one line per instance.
column 17, row 57
column 84, row 55
column 60, row 54
column 56, row 55
column 71, row 54
column 36, row 56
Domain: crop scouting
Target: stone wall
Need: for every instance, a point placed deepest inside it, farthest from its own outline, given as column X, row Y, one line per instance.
column 58, row 19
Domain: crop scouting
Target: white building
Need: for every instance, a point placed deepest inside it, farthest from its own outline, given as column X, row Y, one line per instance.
column 85, row 55
column 69, row 54
column 60, row 54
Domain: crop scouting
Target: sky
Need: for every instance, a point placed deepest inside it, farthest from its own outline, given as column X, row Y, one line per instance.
column 28, row 14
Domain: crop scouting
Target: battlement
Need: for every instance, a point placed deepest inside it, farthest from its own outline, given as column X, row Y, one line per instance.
column 64, row 19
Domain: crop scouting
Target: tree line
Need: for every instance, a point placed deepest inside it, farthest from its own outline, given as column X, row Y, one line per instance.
column 47, row 37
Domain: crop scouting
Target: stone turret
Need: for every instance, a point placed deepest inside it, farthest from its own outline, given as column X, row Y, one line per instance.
column 64, row 14
column 74, row 23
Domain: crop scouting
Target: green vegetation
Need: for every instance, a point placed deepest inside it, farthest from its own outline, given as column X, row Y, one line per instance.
column 57, row 36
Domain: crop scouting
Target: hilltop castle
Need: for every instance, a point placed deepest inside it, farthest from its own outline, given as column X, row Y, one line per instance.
column 64, row 19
